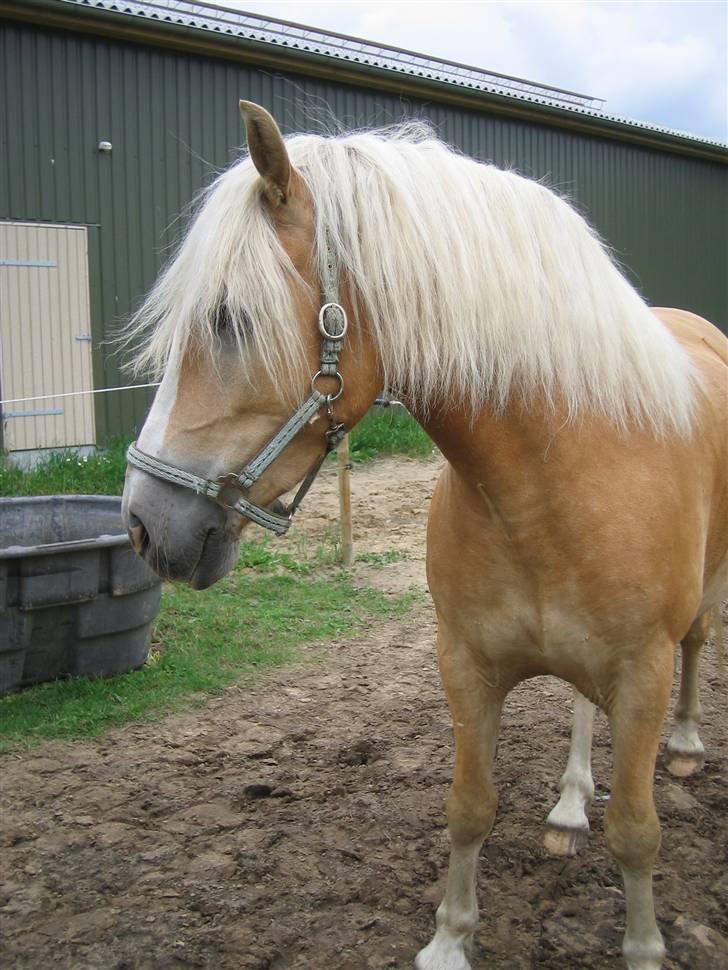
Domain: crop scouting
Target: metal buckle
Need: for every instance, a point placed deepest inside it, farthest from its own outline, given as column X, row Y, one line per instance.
column 228, row 483
column 322, row 325
column 334, row 436
column 329, row 397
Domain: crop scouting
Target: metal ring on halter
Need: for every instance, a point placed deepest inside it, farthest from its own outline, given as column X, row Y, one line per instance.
column 337, row 376
column 322, row 326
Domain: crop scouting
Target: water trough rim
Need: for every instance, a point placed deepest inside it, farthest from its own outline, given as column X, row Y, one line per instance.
column 102, row 541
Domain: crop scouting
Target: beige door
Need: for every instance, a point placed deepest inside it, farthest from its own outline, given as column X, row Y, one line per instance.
column 45, row 336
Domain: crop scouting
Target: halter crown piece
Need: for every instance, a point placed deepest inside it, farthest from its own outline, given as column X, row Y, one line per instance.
column 231, row 490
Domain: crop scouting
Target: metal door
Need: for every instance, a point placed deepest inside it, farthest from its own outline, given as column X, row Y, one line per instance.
column 45, row 336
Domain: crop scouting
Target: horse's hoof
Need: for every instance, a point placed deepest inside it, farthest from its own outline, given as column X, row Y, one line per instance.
column 560, row 841
column 429, row 961
column 443, row 954
column 682, row 764
column 649, row 957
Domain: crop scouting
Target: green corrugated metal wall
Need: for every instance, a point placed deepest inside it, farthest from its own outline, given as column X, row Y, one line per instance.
column 172, row 118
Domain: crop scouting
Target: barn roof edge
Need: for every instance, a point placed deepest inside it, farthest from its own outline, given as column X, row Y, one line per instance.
column 113, row 19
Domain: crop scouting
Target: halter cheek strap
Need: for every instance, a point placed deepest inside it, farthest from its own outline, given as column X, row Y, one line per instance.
column 231, row 490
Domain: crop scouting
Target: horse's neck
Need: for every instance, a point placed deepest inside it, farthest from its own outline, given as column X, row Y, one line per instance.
column 522, row 453
column 500, row 448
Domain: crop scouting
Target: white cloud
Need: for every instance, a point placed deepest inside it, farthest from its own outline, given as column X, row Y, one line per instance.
column 660, row 61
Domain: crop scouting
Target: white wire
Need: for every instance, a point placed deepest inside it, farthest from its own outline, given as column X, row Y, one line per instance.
column 381, row 401
column 97, row 390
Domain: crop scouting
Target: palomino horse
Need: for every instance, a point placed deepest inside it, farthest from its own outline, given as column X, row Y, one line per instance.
column 580, row 526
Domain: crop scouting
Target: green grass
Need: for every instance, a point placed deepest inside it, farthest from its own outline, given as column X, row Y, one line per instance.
column 67, row 473
column 251, row 621
column 381, row 558
column 392, row 432
column 263, row 555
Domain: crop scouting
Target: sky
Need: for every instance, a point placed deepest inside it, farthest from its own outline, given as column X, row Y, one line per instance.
column 660, row 61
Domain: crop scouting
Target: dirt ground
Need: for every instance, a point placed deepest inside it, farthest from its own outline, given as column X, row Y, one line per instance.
column 300, row 823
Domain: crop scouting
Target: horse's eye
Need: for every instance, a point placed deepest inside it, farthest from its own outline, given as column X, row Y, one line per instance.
column 227, row 326
column 223, row 320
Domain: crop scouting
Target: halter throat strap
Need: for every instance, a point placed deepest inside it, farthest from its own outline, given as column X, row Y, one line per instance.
column 231, row 490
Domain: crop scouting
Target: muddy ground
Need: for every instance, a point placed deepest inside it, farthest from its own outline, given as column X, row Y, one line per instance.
column 300, row 822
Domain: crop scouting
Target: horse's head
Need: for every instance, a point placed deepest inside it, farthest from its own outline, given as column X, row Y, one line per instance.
column 238, row 315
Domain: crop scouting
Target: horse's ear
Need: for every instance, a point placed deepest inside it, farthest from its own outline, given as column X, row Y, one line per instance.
column 268, row 151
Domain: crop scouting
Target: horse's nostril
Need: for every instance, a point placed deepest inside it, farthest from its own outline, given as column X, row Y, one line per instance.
column 137, row 533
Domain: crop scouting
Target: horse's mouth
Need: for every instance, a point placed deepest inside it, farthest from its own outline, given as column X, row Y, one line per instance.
column 199, row 555
column 220, row 551
column 218, row 555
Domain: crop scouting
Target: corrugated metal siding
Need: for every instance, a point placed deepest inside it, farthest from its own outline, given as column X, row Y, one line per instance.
column 173, row 122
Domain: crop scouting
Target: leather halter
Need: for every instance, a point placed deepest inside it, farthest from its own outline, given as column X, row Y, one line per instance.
column 231, row 490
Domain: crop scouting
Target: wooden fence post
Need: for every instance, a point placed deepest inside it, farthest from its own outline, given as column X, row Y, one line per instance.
column 347, row 541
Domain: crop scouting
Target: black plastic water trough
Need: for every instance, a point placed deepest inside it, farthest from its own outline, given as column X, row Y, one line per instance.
column 74, row 598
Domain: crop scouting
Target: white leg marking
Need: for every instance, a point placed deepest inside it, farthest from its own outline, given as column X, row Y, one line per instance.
column 685, row 738
column 642, row 947
column 567, row 825
column 457, row 914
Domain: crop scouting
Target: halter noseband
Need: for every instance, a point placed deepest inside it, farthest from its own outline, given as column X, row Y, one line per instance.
column 231, row 490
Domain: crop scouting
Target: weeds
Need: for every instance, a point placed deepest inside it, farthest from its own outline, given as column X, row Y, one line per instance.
column 389, row 432
column 68, row 473
column 381, row 558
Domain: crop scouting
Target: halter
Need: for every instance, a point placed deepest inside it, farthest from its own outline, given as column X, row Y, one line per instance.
column 231, row 490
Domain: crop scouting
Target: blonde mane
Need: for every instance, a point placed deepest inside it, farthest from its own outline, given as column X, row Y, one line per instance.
column 477, row 284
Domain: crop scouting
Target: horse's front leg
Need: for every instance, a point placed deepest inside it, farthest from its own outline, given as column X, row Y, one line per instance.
column 631, row 826
column 476, row 707
column 685, row 751
column 567, row 827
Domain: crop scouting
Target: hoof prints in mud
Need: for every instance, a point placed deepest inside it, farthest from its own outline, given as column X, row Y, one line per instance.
column 360, row 753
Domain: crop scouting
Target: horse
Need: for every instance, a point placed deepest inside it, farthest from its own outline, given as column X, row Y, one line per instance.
column 580, row 525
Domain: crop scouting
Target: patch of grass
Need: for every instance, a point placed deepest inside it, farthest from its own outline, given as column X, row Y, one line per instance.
column 251, row 621
column 68, row 473
column 390, row 432
column 263, row 556
column 381, row 558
